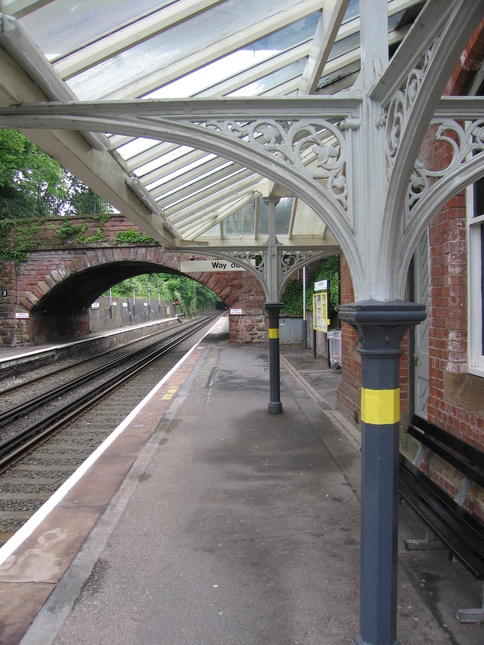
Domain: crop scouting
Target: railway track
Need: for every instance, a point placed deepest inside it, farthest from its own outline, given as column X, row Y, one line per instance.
column 42, row 443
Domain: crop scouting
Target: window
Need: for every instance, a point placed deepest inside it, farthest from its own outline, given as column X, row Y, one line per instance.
column 476, row 278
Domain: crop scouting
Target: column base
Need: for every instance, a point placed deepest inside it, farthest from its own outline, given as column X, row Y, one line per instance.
column 359, row 641
column 275, row 408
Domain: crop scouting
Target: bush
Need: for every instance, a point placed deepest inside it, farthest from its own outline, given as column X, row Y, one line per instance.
column 132, row 237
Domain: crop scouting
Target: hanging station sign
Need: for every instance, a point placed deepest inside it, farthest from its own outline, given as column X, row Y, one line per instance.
column 321, row 285
column 198, row 266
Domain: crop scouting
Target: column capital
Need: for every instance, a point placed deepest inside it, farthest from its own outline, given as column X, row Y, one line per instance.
column 273, row 307
column 381, row 325
column 271, row 200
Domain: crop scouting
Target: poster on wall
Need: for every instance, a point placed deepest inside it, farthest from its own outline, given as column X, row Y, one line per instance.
column 320, row 311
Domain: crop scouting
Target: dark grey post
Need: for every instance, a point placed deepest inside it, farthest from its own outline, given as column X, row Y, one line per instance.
column 275, row 405
column 380, row 327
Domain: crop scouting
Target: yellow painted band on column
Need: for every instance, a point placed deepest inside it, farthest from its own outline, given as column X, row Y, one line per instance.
column 380, row 407
column 273, row 333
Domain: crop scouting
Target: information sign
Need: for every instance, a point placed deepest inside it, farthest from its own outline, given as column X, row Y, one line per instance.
column 320, row 311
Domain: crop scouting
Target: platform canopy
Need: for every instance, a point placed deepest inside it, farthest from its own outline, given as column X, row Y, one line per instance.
column 118, row 50
column 186, row 114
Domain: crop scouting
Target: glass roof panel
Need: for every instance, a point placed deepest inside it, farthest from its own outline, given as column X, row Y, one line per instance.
column 271, row 81
column 82, row 22
column 345, row 45
column 352, row 11
column 193, row 182
column 242, row 222
column 162, row 160
column 220, row 70
column 212, row 232
column 181, row 171
column 135, row 147
column 239, row 61
column 181, row 41
column 290, row 36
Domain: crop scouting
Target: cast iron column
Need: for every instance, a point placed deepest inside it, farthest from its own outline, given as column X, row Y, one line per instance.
column 275, row 405
column 273, row 306
column 380, row 327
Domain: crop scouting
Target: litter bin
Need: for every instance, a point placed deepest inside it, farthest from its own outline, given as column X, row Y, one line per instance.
column 334, row 342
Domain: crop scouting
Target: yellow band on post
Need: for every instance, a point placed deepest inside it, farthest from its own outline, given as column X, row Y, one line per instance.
column 273, row 333
column 380, row 407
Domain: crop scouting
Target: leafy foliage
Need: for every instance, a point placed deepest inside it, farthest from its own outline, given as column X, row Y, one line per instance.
column 132, row 237
column 33, row 185
column 68, row 230
column 192, row 295
column 16, row 250
column 292, row 298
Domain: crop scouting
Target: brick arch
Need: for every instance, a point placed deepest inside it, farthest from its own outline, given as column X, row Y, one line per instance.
column 57, row 286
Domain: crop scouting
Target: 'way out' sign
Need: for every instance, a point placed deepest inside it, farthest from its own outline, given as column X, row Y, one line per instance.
column 195, row 266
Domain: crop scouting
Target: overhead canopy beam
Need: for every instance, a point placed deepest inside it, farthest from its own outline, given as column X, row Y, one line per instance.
column 326, row 31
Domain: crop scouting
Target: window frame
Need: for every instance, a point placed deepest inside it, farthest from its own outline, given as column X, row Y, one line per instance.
column 475, row 277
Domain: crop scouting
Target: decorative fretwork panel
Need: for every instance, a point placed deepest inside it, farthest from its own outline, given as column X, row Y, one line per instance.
column 292, row 261
column 454, row 144
column 395, row 115
column 315, row 148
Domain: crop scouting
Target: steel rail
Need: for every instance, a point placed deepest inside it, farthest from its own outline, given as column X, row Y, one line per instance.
column 11, row 450
column 42, row 377
column 41, row 399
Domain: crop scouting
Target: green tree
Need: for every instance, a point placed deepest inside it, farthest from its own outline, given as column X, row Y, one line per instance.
column 192, row 295
column 32, row 184
column 292, row 298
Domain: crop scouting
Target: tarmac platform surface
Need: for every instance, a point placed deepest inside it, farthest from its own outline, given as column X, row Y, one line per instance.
column 208, row 521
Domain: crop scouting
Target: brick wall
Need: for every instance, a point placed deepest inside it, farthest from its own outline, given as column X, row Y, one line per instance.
column 456, row 400
column 50, row 232
column 240, row 291
column 350, row 386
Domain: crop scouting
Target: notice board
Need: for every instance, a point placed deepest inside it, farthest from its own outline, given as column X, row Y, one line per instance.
column 320, row 311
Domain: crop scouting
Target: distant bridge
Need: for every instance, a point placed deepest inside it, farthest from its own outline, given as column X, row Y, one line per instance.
column 69, row 263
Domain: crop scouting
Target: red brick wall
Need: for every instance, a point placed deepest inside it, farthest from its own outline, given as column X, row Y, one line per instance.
column 50, row 231
column 239, row 291
column 350, row 387
column 456, row 400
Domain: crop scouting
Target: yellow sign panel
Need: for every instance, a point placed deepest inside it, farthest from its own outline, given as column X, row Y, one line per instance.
column 320, row 311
